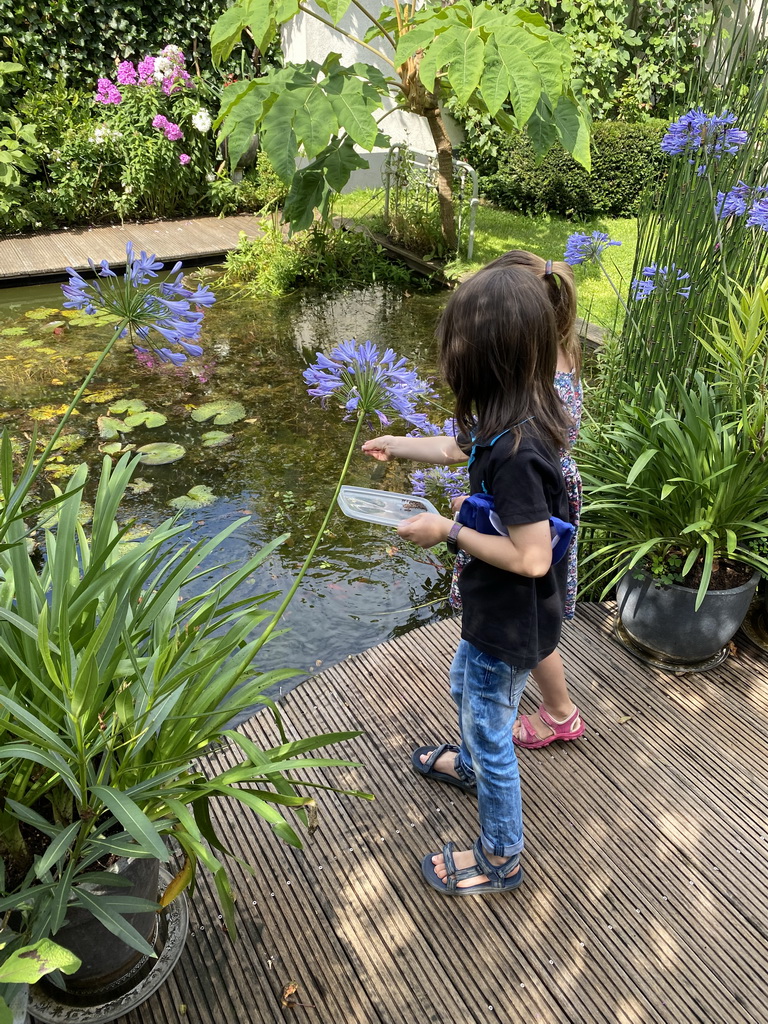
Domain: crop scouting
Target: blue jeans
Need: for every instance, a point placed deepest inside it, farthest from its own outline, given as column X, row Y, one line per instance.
column 486, row 692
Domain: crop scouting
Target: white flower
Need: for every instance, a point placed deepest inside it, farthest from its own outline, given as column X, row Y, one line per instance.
column 202, row 120
column 158, row 76
column 172, row 53
column 163, row 67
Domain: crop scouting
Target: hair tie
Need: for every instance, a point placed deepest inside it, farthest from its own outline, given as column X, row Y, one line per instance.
column 548, row 268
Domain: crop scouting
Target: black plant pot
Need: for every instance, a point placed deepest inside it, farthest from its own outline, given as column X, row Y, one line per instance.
column 114, row 978
column 664, row 623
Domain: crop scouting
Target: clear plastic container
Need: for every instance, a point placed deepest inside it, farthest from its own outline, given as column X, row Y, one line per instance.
column 386, row 508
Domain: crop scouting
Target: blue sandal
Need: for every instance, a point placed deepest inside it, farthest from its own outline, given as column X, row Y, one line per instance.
column 500, row 878
column 427, row 768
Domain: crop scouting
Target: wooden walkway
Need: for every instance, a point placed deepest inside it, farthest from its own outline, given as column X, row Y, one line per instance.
column 646, row 843
column 28, row 258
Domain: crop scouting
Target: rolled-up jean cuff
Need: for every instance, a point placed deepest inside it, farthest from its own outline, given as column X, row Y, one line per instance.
column 464, row 773
column 500, row 851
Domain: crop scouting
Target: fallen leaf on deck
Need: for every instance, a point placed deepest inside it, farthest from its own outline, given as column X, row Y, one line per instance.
column 625, row 718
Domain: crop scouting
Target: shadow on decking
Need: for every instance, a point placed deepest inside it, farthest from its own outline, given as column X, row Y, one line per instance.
column 646, row 843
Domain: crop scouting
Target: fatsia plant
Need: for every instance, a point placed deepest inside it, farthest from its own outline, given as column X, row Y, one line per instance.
column 663, row 485
column 121, row 662
column 503, row 61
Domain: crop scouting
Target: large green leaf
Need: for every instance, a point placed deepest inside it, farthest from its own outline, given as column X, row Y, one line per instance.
column 494, row 81
column 278, row 139
column 573, row 130
column 542, row 130
column 524, row 80
column 352, row 108
column 160, row 453
column 222, row 412
column 339, row 161
column 444, row 49
column 308, row 192
column 227, row 30
column 314, row 121
column 414, row 39
column 335, row 8
column 466, row 67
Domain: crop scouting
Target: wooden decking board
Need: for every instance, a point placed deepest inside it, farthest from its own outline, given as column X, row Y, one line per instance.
column 573, row 753
column 469, row 824
column 632, row 813
column 48, row 254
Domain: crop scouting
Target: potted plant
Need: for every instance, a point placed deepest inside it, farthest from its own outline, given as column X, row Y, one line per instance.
column 119, row 666
column 678, row 503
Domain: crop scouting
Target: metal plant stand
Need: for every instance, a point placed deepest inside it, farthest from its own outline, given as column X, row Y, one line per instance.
column 410, row 182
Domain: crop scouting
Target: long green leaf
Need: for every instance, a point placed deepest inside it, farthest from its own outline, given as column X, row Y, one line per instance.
column 133, row 820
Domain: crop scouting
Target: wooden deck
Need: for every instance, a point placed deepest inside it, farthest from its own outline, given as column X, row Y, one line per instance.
column 646, row 843
column 28, row 258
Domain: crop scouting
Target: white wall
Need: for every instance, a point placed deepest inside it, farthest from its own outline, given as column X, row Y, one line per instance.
column 304, row 38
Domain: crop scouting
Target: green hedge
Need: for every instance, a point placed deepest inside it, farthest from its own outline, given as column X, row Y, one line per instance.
column 625, row 158
column 81, row 41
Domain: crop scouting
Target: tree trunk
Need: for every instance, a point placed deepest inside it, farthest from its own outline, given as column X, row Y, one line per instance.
column 444, row 176
column 427, row 105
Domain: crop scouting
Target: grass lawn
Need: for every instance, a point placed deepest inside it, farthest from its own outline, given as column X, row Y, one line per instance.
column 497, row 231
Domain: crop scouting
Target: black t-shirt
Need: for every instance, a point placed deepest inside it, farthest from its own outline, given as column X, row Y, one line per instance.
column 515, row 618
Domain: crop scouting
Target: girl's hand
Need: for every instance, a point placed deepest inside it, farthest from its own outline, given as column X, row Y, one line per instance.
column 381, row 448
column 458, row 501
column 426, row 529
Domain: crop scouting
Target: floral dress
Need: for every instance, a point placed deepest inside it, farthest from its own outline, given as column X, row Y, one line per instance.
column 571, row 395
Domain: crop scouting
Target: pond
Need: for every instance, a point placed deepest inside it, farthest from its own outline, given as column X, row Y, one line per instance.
column 280, row 464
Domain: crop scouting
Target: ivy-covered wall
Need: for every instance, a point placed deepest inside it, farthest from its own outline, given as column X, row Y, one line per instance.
column 82, row 40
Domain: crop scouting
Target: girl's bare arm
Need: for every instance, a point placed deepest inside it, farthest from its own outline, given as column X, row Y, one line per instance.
column 439, row 451
column 527, row 550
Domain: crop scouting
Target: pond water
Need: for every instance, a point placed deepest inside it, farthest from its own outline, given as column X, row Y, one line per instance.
column 281, row 463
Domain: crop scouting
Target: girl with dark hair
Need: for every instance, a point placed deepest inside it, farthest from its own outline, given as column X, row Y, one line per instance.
column 557, row 717
column 499, row 343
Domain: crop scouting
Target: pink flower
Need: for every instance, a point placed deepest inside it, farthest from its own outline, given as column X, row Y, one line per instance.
column 126, row 73
column 172, row 132
column 146, row 69
column 108, row 92
column 184, row 158
column 159, row 121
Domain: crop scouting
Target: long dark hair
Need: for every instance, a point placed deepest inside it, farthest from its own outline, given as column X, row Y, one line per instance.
column 561, row 288
column 498, row 354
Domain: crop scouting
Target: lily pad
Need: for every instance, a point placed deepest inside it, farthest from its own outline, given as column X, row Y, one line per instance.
column 222, row 412
column 112, row 448
column 41, row 313
column 160, row 453
column 196, row 497
column 68, row 443
column 129, row 405
column 140, row 486
column 213, row 438
column 30, row 343
column 146, row 418
column 110, row 428
column 12, row 332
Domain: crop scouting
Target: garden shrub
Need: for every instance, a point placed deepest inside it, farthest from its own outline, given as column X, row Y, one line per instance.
column 625, row 159
column 323, row 256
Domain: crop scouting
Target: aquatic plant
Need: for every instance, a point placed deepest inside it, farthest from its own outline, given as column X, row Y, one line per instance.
column 366, row 383
column 136, row 305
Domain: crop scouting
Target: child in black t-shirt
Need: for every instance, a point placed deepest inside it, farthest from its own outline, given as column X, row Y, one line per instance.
column 498, row 352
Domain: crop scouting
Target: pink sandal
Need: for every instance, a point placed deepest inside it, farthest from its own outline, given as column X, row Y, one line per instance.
column 570, row 729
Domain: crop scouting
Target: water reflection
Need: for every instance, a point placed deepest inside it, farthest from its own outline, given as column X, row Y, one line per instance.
column 281, row 465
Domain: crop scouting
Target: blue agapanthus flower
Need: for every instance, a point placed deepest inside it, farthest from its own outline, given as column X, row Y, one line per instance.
column 662, row 279
column 699, row 135
column 425, row 428
column 582, row 248
column 365, row 380
column 440, row 482
column 758, row 215
column 143, row 306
